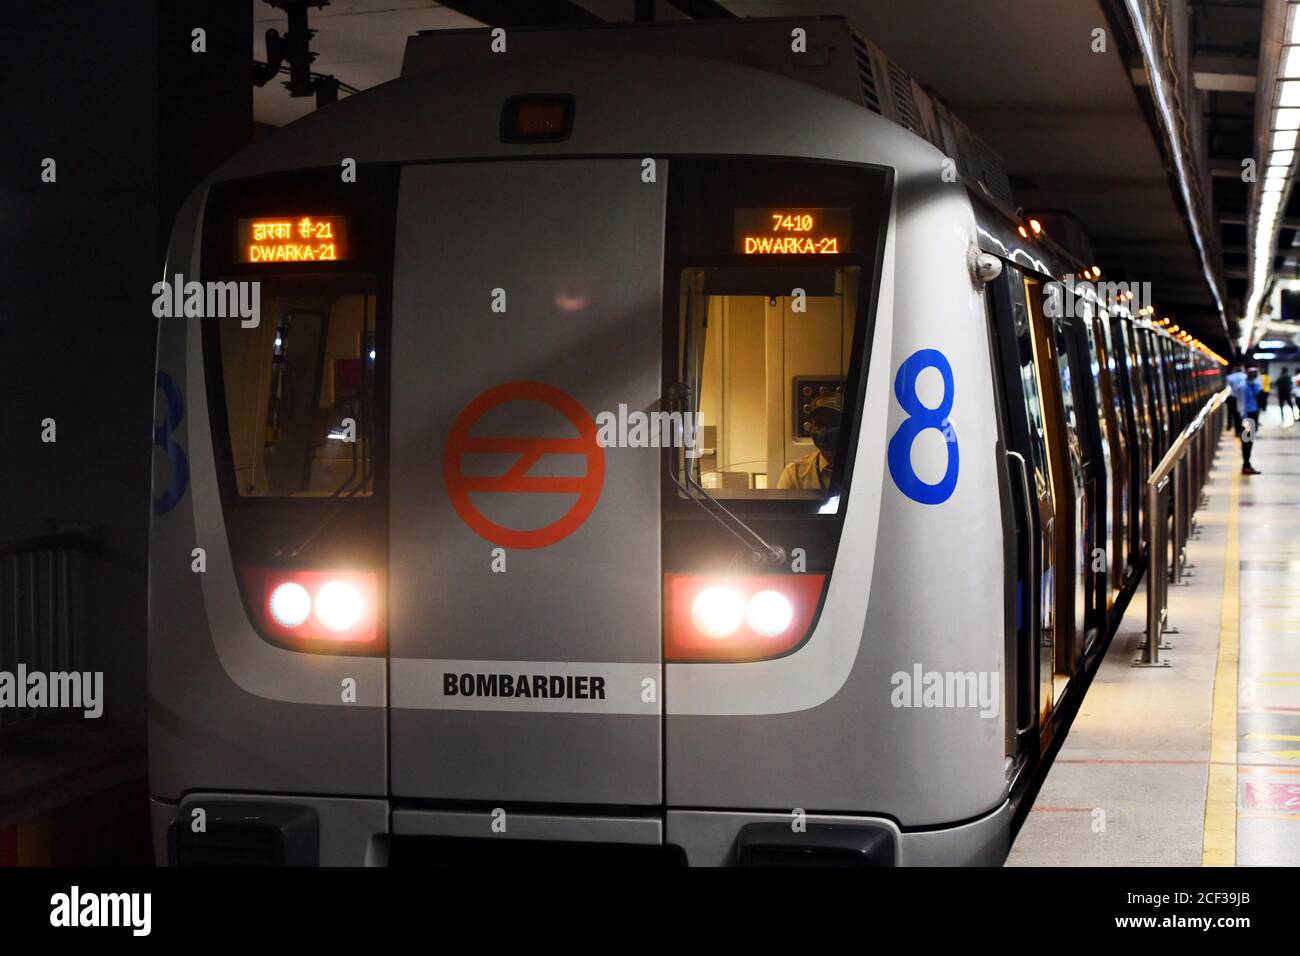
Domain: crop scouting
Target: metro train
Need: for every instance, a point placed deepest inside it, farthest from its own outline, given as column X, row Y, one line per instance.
column 659, row 443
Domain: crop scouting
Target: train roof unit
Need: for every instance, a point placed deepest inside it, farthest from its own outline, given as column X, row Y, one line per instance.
column 837, row 58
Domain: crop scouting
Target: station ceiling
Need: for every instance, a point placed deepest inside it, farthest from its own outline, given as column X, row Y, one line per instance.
column 1076, row 127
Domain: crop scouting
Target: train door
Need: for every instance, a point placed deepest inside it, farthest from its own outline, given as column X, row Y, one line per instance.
column 525, row 622
column 1080, row 407
column 1100, row 560
column 1159, row 394
column 1140, row 410
column 1146, row 369
column 1031, row 492
column 1066, row 468
column 1117, row 429
column 1174, row 367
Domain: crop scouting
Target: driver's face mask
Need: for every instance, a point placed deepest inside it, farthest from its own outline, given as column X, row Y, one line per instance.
column 827, row 439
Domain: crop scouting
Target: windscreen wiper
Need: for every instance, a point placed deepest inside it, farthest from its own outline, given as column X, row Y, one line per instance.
column 333, row 507
column 759, row 548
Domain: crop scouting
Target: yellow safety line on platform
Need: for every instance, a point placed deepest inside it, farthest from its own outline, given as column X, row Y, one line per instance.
column 1219, row 846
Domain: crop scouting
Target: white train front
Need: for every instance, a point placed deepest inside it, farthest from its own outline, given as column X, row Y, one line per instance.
column 438, row 612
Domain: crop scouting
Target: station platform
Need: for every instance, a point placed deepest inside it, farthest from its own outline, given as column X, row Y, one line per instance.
column 1197, row 764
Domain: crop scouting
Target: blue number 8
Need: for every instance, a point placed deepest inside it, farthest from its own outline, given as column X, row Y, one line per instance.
column 178, row 477
column 919, row 419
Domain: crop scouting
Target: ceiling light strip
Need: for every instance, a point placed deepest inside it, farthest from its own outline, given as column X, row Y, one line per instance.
column 1269, row 196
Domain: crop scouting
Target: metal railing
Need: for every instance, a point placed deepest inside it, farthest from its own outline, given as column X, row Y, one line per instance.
column 41, row 580
column 1173, row 492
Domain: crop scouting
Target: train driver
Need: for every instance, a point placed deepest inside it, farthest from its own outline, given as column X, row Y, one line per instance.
column 813, row 471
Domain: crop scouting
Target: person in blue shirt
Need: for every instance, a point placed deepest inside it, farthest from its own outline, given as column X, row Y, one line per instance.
column 1250, row 403
column 1236, row 380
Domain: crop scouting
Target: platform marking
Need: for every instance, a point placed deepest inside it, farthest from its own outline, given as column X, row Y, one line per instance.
column 1062, row 809
column 1267, row 769
column 1272, row 796
column 1219, row 844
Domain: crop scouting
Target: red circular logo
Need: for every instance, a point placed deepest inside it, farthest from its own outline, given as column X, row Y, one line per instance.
column 517, row 480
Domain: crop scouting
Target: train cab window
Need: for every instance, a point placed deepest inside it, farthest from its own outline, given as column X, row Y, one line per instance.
column 768, row 372
column 299, row 395
column 770, row 271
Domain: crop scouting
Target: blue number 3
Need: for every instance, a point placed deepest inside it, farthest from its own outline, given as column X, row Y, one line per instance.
column 178, row 466
column 919, row 419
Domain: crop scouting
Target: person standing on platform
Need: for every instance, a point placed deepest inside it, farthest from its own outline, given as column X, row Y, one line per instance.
column 1236, row 380
column 1251, row 404
column 1284, row 398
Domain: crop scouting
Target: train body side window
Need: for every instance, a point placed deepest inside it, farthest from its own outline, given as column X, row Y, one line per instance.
column 1162, row 387
column 1151, row 371
column 1137, row 375
column 299, row 395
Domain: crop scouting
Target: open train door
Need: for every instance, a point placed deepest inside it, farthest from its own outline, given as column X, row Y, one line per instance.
column 524, row 574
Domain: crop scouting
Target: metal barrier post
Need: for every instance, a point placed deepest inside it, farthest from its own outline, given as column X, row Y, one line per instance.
column 1182, row 473
column 1176, row 489
column 1156, row 558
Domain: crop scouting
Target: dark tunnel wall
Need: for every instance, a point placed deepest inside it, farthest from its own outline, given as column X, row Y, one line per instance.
column 133, row 118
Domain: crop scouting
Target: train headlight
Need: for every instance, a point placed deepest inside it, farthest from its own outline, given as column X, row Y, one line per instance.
column 769, row 613
column 316, row 610
column 717, row 611
column 712, row 617
column 339, row 606
column 290, row 604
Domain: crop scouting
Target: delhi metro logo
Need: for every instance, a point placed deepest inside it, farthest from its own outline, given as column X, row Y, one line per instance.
column 517, row 480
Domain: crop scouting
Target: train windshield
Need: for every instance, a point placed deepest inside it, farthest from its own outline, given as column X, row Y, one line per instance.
column 769, row 361
column 299, row 395
column 770, row 275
